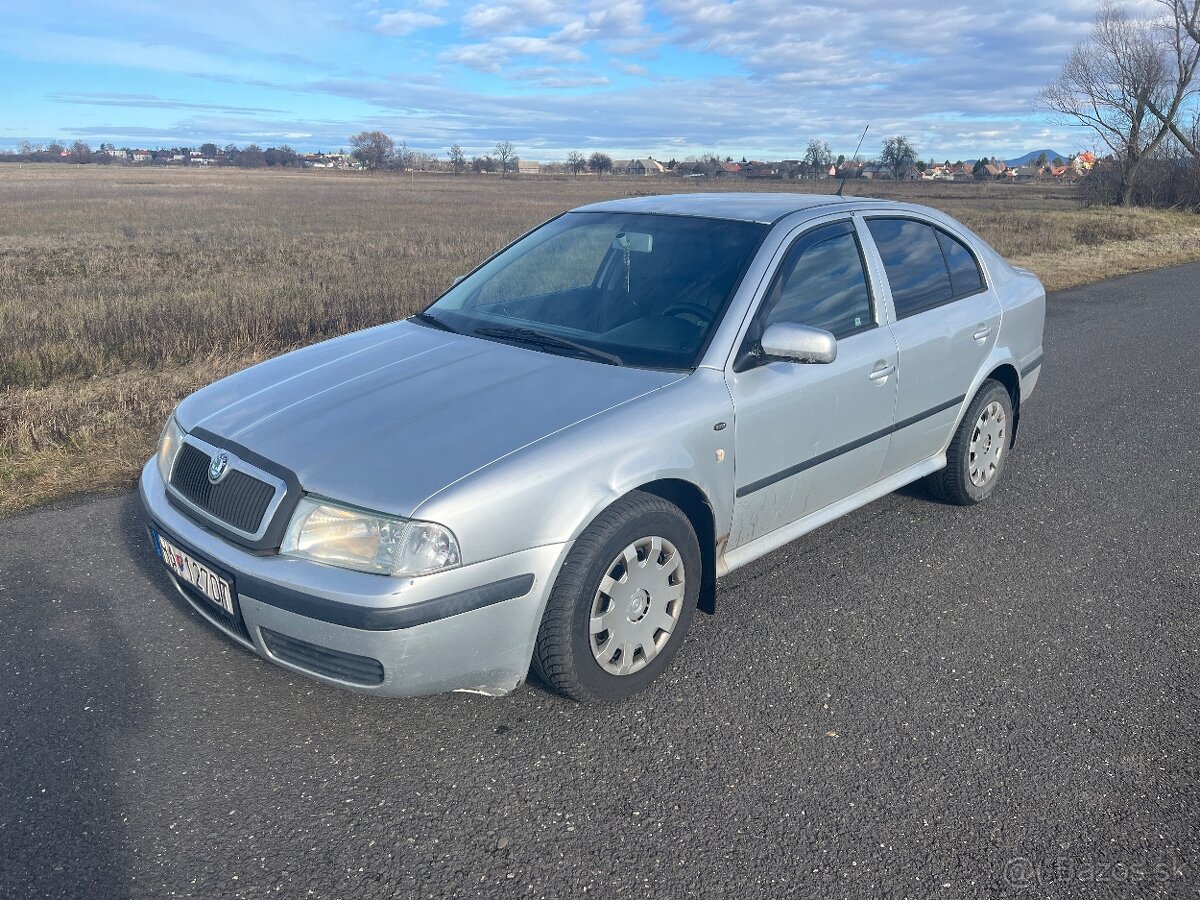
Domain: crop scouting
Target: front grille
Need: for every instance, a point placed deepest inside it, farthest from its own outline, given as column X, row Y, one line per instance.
column 238, row 499
column 323, row 660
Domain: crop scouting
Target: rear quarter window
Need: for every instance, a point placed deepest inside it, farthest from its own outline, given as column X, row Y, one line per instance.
column 965, row 277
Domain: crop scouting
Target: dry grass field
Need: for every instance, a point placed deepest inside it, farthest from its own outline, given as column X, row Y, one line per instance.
column 123, row 289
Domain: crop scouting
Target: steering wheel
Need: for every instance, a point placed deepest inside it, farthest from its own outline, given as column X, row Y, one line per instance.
column 703, row 313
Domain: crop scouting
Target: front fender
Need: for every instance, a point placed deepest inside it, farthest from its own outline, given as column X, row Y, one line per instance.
column 549, row 492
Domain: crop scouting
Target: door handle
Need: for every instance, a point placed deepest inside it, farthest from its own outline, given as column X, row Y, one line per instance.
column 880, row 374
column 982, row 332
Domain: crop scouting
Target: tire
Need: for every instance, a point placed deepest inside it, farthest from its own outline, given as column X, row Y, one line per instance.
column 585, row 663
column 979, row 451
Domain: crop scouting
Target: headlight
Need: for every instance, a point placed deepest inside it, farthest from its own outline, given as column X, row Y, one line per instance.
column 338, row 535
column 169, row 445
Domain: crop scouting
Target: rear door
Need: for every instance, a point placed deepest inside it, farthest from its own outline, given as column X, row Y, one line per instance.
column 946, row 322
column 809, row 434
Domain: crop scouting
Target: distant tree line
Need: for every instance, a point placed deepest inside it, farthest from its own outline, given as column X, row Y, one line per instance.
column 378, row 151
column 251, row 156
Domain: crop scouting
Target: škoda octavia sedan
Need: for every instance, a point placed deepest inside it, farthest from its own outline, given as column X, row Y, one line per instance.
column 552, row 465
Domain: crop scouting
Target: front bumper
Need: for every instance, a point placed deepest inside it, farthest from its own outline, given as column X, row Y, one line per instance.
column 471, row 628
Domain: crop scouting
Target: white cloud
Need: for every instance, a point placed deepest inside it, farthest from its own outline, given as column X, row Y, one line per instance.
column 405, row 21
column 515, row 16
column 494, row 55
column 635, row 69
column 557, row 77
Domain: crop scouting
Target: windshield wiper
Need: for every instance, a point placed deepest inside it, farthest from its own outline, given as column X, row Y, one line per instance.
column 427, row 319
column 541, row 339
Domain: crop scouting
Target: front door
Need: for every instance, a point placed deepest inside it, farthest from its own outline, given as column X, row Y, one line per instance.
column 809, row 434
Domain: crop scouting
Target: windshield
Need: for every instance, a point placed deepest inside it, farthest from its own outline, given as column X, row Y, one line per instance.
column 623, row 289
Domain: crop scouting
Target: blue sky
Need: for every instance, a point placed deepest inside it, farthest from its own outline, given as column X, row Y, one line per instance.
column 668, row 78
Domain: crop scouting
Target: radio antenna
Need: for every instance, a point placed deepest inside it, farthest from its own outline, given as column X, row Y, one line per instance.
column 852, row 159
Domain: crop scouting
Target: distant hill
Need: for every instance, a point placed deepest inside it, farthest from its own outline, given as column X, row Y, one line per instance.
column 1032, row 156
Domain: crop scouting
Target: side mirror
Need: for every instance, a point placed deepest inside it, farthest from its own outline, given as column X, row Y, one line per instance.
column 785, row 342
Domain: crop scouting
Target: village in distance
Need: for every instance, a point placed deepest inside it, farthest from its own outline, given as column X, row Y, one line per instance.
column 896, row 161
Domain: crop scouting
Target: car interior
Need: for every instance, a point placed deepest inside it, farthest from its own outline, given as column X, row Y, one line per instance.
column 644, row 287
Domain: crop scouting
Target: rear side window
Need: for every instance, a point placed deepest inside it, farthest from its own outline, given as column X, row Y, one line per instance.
column 965, row 276
column 912, row 258
column 822, row 283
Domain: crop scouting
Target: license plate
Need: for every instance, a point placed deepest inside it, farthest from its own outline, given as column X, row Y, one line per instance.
column 198, row 575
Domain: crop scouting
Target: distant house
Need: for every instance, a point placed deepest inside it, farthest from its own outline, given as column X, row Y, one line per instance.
column 141, row 156
column 730, row 168
column 329, row 161
column 647, row 166
column 528, row 167
column 761, row 170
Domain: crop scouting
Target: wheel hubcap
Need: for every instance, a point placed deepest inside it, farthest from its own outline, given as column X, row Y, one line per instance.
column 637, row 605
column 987, row 444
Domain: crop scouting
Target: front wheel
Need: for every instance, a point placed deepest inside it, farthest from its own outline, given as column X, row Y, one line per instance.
column 622, row 603
column 978, row 451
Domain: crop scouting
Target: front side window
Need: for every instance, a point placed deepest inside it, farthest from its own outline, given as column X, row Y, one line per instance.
column 622, row 288
column 822, row 284
column 912, row 258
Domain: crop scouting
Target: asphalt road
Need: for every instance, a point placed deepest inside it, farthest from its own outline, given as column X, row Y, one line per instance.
column 916, row 701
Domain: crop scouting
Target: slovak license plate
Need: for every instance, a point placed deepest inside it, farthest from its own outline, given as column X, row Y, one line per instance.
column 195, row 573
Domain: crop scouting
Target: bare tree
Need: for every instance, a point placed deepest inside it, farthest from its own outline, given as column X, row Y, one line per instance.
column 251, row 156
column 1181, row 27
column 458, row 159
column 1109, row 83
column 506, row 153
column 403, row 157
column 576, row 162
column 374, row 149
column 817, row 155
column 898, row 156
column 710, row 165
column 81, row 152
column 600, row 163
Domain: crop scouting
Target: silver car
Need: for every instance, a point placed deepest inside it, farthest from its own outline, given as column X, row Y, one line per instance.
column 553, row 464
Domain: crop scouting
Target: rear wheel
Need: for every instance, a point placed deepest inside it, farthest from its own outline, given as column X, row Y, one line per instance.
column 622, row 603
column 978, row 451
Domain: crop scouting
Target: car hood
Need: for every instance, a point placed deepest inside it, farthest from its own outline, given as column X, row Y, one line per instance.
column 385, row 418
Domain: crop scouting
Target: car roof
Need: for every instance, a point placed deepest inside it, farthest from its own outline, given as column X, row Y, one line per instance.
column 763, row 207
